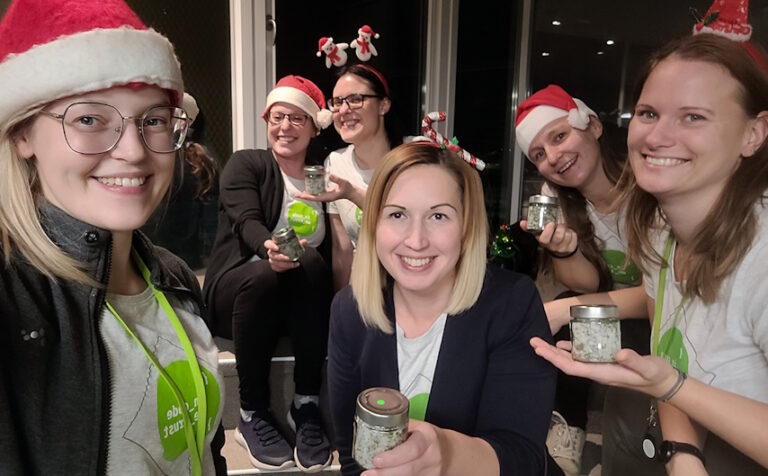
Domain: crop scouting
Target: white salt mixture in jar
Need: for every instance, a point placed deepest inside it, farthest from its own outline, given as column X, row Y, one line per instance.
column 381, row 423
column 595, row 333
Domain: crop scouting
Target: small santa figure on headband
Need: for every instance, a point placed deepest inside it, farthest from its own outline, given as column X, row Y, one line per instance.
column 362, row 44
column 334, row 52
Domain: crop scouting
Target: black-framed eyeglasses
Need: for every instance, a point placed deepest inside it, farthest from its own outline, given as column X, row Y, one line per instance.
column 276, row 118
column 93, row 128
column 354, row 101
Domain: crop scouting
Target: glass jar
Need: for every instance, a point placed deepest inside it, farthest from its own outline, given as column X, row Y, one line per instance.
column 595, row 333
column 381, row 423
column 314, row 179
column 541, row 210
column 289, row 244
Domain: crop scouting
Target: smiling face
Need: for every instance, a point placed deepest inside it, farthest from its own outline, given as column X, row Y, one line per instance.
column 117, row 190
column 418, row 234
column 688, row 132
column 287, row 140
column 355, row 126
column 567, row 156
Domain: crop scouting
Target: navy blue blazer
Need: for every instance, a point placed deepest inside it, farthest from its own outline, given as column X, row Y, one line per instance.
column 488, row 382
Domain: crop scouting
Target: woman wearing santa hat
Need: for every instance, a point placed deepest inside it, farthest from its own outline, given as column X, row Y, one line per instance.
column 696, row 224
column 586, row 250
column 256, row 294
column 106, row 366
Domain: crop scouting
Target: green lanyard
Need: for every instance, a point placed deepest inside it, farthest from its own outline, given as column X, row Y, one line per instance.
column 660, row 298
column 195, row 433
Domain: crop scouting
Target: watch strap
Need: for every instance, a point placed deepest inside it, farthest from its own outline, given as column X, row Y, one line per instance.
column 668, row 448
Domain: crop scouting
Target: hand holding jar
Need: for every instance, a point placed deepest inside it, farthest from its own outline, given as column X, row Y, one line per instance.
column 420, row 454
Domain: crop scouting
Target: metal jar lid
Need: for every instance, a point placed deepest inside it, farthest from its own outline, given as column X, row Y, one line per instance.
column 595, row 311
column 314, row 169
column 284, row 235
column 384, row 407
column 542, row 199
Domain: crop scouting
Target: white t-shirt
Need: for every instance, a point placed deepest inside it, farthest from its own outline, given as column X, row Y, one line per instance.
column 416, row 362
column 609, row 228
column 306, row 218
column 146, row 433
column 343, row 164
column 724, row 344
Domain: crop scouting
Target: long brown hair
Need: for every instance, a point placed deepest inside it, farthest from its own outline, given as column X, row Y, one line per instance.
column 574, row 207
column 726, row 234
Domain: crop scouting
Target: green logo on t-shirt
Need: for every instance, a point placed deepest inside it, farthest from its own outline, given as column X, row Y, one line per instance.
column 671, row 348
column 418, row 406
column 358, row 215
column 303, row 218
column 170, row 422
column 629, row 275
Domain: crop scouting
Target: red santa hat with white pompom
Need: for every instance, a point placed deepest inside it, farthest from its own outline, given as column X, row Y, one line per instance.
column 365, row 29
column 543, row 107
column 88, row 45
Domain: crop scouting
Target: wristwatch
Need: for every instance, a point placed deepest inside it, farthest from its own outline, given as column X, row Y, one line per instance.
column 667, row 449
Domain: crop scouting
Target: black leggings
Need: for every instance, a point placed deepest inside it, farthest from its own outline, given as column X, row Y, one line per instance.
column 255, row 306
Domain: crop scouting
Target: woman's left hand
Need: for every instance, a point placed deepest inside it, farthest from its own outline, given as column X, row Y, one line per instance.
column 421, row 454
column 648, row 374
column 338, row 188
column 278, row 261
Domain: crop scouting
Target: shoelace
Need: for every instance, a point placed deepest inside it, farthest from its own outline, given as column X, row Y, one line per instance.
column 310, row 432
column 267, row 433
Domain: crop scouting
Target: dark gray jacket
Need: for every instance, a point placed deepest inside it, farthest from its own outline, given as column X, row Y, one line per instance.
column 54, row 376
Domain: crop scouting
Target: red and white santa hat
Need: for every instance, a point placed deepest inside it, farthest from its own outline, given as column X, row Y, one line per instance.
column 305, row 95
column 321, row 44
column 51, row 49
column 365, row 29
column 543, row 107
column 726, row 18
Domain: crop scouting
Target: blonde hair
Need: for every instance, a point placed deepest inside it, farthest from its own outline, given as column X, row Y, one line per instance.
column 727, row 232
column 368, row 277
column 20, row 227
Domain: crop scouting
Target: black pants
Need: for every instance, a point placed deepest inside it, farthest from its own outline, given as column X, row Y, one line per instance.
column 255, row 306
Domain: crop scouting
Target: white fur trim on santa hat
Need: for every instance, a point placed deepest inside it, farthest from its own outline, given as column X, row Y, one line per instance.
column 189, row 104
column 86, row 62
column 301, row 100
column 534, row 122
column 726, row 32
column 542, row 115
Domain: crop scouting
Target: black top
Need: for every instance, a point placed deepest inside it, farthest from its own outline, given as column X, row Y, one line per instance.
column 250, row 201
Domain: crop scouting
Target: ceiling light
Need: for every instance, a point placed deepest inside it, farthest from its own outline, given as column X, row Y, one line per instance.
column 545, row 53
column 556, row 22
column 609, row 42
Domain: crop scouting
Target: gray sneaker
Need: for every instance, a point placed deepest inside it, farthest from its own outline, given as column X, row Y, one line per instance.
column 313, row 450
column 267, row 449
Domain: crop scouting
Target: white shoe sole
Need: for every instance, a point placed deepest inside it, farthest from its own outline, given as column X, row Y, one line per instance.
column 256, row 463
column 314, row 468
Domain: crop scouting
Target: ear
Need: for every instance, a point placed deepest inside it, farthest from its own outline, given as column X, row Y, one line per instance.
column 384, row 106
column 23, row 144
column 755, row 135
column 595, row 127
